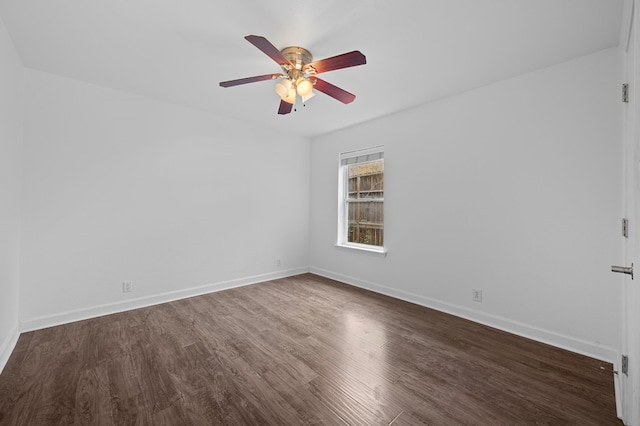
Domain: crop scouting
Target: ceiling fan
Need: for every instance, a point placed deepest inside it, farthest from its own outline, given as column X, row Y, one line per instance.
column 299, row 77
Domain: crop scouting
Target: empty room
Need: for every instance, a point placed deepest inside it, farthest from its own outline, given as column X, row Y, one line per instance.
column 364, row 212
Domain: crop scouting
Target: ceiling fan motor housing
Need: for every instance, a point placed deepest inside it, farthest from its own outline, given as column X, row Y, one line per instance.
column 298, row 69
column 298, row 56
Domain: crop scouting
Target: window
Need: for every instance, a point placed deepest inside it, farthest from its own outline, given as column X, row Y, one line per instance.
column 361, row 202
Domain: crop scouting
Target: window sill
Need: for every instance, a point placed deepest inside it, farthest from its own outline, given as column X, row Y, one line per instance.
column 376, row 251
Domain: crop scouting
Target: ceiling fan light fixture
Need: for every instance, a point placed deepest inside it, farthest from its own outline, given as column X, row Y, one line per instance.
column 283, row 87
column 304, row 86
column 299, row 73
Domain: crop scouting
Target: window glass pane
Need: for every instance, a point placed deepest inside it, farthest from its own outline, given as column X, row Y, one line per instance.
column 365, row 223
column 364, row 218
column 366, row 180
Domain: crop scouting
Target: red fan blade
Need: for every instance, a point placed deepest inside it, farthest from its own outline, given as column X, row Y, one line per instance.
column 268, row 49
column 345, row 60
column 285, row 107
column 334, row 91
column 250, row 80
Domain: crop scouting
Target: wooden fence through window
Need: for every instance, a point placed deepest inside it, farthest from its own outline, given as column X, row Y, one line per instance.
column 366, row 208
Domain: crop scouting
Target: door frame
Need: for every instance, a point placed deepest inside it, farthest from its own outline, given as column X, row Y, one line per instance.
column 628, row 397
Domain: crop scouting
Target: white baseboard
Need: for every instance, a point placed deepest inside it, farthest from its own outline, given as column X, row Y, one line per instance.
column 545, row 336
column 602, row 353
column 30, row 324
column 7, row 346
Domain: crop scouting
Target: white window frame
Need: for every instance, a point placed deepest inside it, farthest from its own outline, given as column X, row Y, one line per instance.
column 345, row 159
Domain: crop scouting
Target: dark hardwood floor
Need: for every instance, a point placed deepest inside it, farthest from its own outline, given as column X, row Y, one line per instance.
column 300, row 350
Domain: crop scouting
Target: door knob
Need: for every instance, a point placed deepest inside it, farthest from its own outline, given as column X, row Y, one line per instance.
column 623, row 270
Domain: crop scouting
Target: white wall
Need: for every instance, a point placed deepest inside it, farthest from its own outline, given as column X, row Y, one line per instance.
column 119, row 187
column 516, row 191
column 513, row 188
column 11, row 113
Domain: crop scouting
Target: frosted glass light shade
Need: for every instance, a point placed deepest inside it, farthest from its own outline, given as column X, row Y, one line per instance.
column 304, row 86
column 291, row 96
column 283, row 87
column 307, row 97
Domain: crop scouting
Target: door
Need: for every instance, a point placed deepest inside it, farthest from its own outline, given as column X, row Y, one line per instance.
column 629, row 395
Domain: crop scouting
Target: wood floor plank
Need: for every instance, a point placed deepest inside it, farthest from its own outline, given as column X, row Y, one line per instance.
column 350, row 410
column 302, row 350
column 254, row 390
column 92, row 399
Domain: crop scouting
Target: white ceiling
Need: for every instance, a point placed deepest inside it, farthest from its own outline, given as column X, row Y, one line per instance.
column 417, row 50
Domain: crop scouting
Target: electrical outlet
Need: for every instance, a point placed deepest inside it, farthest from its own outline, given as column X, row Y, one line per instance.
column 127, row 286
column 476, row 295
column 278, row 263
